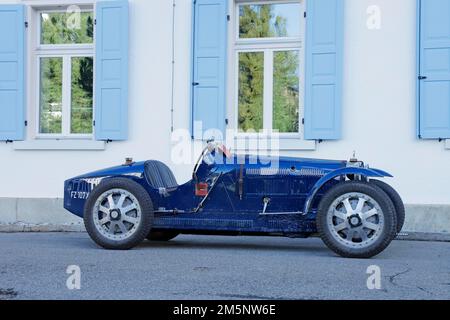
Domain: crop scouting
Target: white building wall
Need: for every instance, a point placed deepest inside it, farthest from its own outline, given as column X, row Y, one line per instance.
column 379, row 115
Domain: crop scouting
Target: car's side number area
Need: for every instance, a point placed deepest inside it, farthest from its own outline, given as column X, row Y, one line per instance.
column 79, row 195
column 82, row 188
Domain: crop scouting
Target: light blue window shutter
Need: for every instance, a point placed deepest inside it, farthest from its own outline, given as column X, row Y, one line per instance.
column 12, row 82
column 434, row 77
column 209, row 68
column 324, row 57
column 111, row 71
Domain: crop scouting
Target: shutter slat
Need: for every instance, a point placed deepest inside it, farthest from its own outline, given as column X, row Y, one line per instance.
column 12, row 82
column 209, row 68
column 324, row 53
column 111, row 78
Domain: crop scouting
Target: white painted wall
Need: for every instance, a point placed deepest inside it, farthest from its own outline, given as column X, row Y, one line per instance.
column 379, row 106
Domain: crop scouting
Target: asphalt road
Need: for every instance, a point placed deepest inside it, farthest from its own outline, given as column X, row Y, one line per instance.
column 33, row 266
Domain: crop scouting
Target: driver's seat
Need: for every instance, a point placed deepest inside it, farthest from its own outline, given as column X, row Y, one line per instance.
column 159, row 175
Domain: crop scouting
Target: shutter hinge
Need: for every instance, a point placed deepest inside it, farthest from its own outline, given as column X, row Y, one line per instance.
column 95, row 21
column 304, row 14
column 26, row 24
column 228, row 17
column 303, row 121
column 226, row 121
column 422, row 77
column 93, row 123
column 26, row 123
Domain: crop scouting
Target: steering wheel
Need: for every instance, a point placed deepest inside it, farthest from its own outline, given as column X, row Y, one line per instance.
column 207, row 151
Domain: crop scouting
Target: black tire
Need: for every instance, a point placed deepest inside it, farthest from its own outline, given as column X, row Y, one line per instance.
column 145, row 204
column 396, row 200
column 162, row 235
column 387, row 233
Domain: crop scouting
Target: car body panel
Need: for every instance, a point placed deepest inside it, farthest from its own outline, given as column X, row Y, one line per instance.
column 294, row 187
column 365, row 172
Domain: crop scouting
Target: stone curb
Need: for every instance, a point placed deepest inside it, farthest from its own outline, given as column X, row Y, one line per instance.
column 423, row 236
column 18, row 227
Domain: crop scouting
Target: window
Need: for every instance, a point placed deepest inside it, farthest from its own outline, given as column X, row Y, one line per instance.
column 64, row 58
column 49, row 88
column 269, row 72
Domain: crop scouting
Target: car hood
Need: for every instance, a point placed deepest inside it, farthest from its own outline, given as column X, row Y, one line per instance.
column 282, row 162
column 134, row 168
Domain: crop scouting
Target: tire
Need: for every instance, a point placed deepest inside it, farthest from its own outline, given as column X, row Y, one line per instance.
column 396, row 200
column 123, row 224
column 344, row 232
column 162, row 235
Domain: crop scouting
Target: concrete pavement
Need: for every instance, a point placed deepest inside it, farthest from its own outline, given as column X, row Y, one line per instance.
column 34, row 265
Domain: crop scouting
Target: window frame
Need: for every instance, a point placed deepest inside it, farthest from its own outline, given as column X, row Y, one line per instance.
column 43, row 47
column 268, row 46
column 66, row 52
column 239, row 40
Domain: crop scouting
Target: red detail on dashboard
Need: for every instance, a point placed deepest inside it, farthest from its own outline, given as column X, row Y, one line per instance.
column 201, row 189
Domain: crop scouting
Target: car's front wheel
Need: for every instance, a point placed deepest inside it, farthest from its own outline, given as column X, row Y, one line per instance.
column 118, row 214
column 356, row 219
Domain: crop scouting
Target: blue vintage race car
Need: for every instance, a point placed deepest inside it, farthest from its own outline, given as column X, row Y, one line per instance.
column 355, row 214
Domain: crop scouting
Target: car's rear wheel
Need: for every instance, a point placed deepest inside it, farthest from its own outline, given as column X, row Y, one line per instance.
column 162, row 235
column 396, row 200
column 356, row 219
column 118, row 214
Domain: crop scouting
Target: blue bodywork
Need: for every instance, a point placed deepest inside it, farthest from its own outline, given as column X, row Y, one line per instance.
column 238, row 188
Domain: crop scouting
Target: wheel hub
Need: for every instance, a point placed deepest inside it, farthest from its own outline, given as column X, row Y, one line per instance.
column 355, row 221
column 115, row 214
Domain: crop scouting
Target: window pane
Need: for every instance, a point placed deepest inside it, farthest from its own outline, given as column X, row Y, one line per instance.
column 251, row 86
column 82, row 93
column 286, row 80
column 67, row 28
column 50, row 114
column 269, row 20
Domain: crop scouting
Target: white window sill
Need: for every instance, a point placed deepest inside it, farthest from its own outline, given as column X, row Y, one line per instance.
column 447, row 144
column 254, row 144
column 55, row 145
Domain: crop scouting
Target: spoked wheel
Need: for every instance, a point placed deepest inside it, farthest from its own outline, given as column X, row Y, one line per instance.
column 118, row 214
column 356, row 220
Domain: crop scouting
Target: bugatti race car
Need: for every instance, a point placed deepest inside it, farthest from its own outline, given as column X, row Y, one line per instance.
column 344, row 202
